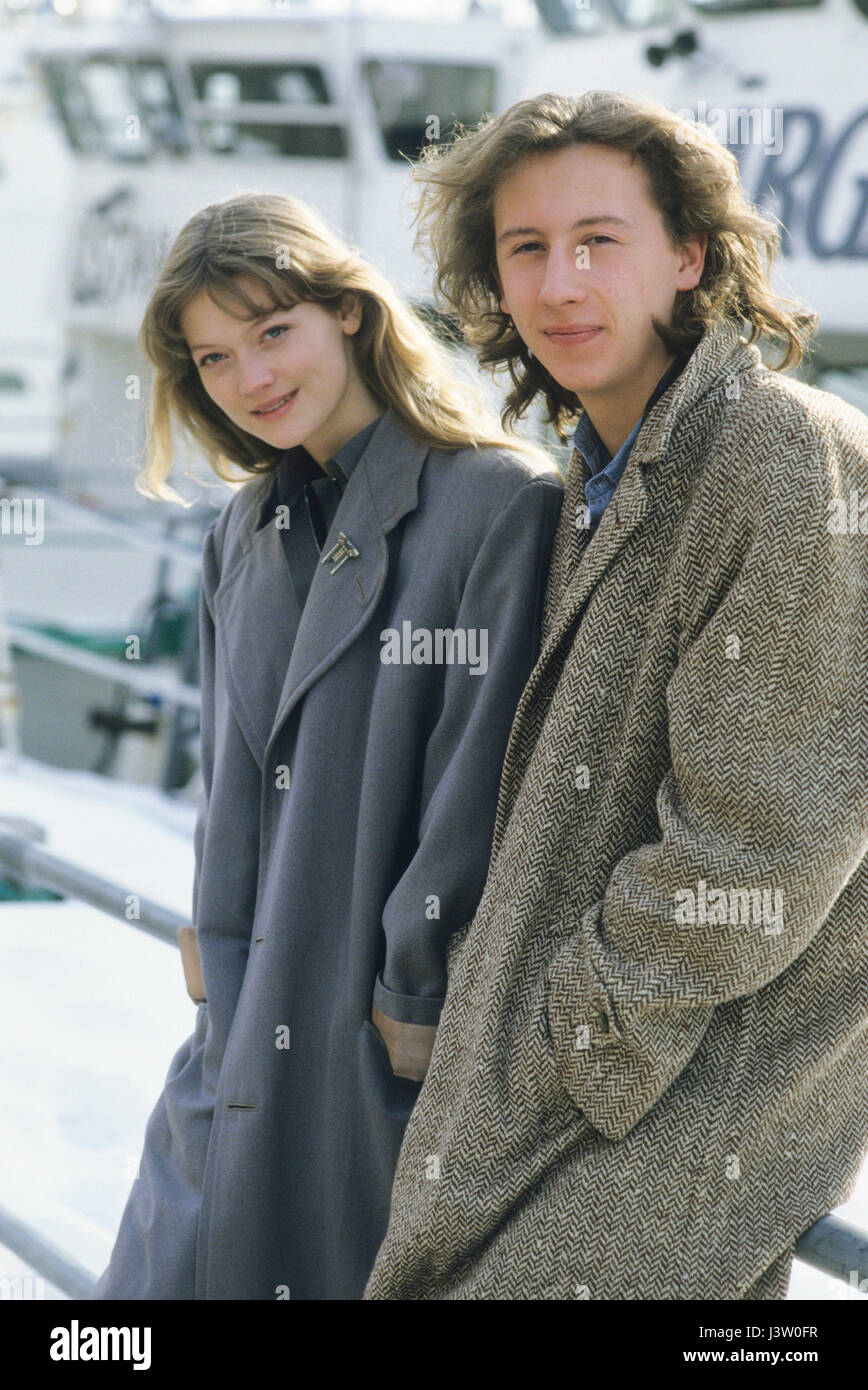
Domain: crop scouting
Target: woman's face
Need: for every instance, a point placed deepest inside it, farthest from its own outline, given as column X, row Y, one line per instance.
column 301, row 358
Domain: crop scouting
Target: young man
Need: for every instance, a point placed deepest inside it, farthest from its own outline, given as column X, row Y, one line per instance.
column 651, row 1069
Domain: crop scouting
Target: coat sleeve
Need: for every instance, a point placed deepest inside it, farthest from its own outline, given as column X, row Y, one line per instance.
column 439, row 891
column 763, row 813
column 154, row 1255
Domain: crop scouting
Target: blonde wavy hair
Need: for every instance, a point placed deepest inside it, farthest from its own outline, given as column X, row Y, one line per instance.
column 293, row 253
column 694, row 182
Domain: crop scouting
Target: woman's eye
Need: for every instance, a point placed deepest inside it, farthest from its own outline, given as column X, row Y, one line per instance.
column 600, row 237
column 277, row 328
column 527, row 246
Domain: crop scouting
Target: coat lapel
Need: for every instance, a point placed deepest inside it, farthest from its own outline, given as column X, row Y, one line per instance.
column 256, row 618
column 647, row 479
column 629, row 507
column 256, row 609
column 596, row 555
column 646, row 484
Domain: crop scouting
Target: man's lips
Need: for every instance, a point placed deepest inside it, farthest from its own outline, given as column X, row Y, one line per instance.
column 571, row 334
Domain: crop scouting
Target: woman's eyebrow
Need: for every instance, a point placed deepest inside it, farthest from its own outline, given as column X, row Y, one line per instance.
column 258, row 318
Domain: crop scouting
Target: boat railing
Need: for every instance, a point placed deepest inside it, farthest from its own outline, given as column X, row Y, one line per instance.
column 151, row 680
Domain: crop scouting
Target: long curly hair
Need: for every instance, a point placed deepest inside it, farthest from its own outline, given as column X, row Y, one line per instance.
column 293, row 254
column 695, row 184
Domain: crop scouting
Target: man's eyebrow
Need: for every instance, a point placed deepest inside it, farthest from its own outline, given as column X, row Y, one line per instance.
column 597, row 218
column 258, row 318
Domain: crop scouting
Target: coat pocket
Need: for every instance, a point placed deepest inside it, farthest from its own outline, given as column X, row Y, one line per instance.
column 557, row 1104
column 407, row 1024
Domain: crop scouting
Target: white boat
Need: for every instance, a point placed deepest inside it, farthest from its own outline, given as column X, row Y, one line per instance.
column 165, row 109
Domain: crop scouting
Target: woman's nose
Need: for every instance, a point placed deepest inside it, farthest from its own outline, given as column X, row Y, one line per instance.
column 252, row 374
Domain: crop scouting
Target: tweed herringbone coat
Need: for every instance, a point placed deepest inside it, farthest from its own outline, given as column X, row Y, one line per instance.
column 651, row 1068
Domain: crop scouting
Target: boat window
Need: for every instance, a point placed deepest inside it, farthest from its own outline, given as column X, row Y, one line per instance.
column 227, row 83
column 260, row 139
column 731, row 6
column 127, row 110
column 223, row 89
column 570, row 17
column 70, row 106
column 158, row 103
column 638, row 14
column 418, row 103
column 108, row 92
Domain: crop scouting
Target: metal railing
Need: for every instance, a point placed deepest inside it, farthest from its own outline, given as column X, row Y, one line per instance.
column 139, row 533
column 831, row 1245
column 49, row 1262
column 26, row 863
column 144, row 679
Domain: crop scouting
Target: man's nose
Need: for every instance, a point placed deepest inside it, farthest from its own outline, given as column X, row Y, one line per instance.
column 563, row 279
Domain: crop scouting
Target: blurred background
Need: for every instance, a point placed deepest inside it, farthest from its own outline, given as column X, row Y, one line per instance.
column 118, row 121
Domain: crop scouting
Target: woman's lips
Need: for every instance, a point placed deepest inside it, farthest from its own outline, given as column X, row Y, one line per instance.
column 585, row 335
column 278, row 410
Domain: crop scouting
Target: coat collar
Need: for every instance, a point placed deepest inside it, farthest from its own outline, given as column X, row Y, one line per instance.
column 720, row 355
column 255, row 609
column 651, row 472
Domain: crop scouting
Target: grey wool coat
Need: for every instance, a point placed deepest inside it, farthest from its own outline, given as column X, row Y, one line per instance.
column 651, row 1069
column 344, row 835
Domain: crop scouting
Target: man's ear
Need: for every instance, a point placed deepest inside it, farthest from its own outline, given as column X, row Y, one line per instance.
column 693, row 252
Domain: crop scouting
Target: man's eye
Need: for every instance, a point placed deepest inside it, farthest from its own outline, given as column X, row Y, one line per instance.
column 279, row 328
column 527, row 246
column 600, row 237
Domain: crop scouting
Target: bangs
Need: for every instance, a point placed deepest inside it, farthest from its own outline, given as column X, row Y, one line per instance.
column 226, row 291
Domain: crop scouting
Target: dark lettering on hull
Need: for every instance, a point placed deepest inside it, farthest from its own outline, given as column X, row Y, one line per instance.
column 800, row 181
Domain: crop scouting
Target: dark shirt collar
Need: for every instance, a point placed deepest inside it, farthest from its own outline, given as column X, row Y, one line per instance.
column 298, row 466
column 672, row 371
column 589, row 443
column 346, row 458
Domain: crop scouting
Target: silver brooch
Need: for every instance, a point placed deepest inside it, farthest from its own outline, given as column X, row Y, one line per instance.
column 342, row 550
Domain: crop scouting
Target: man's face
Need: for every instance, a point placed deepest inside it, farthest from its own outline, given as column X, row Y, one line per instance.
column 584, row 264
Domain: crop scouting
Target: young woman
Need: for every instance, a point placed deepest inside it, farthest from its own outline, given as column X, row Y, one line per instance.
column 369, row 614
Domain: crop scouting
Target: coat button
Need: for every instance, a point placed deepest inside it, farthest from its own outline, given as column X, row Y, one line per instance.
column 603, row 1022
